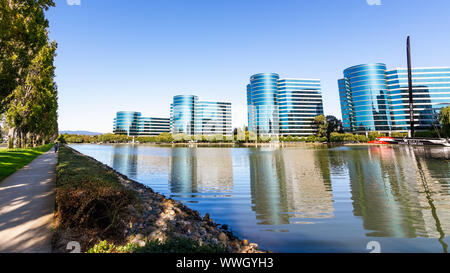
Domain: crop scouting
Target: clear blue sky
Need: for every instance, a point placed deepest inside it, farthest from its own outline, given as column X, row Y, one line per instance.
column 136, row 55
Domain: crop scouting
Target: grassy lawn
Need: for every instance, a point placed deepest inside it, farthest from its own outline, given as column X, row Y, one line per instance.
column 76, row 171
column 12, row 160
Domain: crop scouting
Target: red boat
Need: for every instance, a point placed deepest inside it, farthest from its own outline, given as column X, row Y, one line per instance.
column 384, row 140
column 412, row 141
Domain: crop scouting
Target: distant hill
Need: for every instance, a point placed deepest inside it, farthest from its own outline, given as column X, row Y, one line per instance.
column 86, row 133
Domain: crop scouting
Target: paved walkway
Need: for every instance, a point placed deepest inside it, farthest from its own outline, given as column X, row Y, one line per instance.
column 27, row 202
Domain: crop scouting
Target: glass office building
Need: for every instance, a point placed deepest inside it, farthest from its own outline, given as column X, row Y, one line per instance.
column 153, row 126
column 182, row 114
column 250, row 114
column 299, row 102
column 190, row 116
column 133, row 124
column 364, row 97
column 263, row 106
column 376, row 99
column 283, row 106
column 431, row 92
column 126, row 123
column 212, row 118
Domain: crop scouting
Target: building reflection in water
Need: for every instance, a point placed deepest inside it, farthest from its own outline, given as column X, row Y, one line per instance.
column 197, row 170
column 290, row 185
column 125, row 159
column 401, row 192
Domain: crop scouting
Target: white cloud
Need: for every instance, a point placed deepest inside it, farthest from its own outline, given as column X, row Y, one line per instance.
column 73, row 2
column 374, row 2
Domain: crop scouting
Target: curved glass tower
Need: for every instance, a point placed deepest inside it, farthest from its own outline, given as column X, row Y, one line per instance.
column 250, row 109
column 364, row 98
column 376, row 99
column 192, row 117
column 263, row 108
column 127, row 122
column 182, row 116
column 285, row 107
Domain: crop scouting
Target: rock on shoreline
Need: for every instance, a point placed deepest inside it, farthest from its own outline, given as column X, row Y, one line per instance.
column 158, row 218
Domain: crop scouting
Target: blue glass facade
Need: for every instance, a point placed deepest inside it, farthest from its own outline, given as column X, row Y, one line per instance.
column 250, row 114
column 283, row 106
column 299, row 102
column 126, row 123
column 153, row 126
column 376, row 99
column 346, row 104
column 212, row 118
column 182, row 114
column 133, row 124
column 364, row 98
column 264, row 108
column 431, row 92
column 190, row 116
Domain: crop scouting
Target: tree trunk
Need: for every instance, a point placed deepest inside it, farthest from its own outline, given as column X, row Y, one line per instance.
column 11, row 138
column 19, row 139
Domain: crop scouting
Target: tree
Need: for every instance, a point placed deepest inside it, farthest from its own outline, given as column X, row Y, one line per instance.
column 327, row 125
column 28, row 93
column 333, row 125
column 165, row 137
column 240, row 135
column 444, row 119
column 322, row 125
column 23, row 32
column 33, row 106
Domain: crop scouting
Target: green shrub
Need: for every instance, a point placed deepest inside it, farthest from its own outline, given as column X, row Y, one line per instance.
column 429, row 134
column 146, row 139
column 399, row 134
column 172, row 245
column 311, row 138
column 347, row 137
column 105, row 247
column 361, row 138
column 180, row 245
column 61, row 139
column 373, row 135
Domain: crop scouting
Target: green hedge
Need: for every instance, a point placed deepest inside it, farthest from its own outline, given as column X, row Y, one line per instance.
column 337, row 137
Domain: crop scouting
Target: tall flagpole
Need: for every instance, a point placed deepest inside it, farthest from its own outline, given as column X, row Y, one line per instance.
column 411, row 104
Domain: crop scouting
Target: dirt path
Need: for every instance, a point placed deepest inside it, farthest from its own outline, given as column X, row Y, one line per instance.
column 27, row 201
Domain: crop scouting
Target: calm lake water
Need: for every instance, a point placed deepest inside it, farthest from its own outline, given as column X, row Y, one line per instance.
column 304, row 199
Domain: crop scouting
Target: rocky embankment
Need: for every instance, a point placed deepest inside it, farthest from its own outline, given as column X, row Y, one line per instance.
column 158, row 218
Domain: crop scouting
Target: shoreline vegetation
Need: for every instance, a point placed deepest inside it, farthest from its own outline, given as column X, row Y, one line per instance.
column 12, row 160
column 106, row 212
column 168, row 139
column 329, row 130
